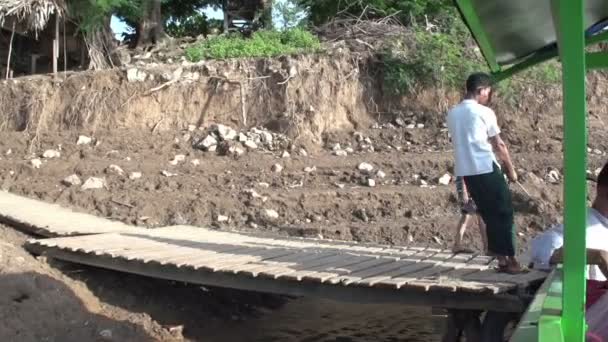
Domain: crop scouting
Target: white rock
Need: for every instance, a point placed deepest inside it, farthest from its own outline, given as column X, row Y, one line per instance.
column 597, row 151
column 380, row 174
column 36, row 163
column 266, row 137
column 254, row 194
column 597, row 171
column 191, row 128
column 83, row 140
column 349, row 150
column 115, row 169
column 9, row 152
column 250, row 144
column 222, row 218
column 285, row 154
column 135, row 175
column 371, row 183
column 336, row 147
column 437, row 239
column 410, row 126
column 72, row 180
column 195, row 162
column 445, row 179
column 423, row 183
column 225, row 132
column 341, row 153
column 212, row 148
column 180, row 158
column 277, row 168
column 419, row 125
column 177, row 73
column 242, row 138
column 48, row 154
column 106, row 334
column 208, row 143
column 136, row 75
column 168, row 174
column 310, row 169
column 264, row 185
column 303, row 153
column 270, row 214
column 553, row 176
column 236, row 151
column 365, row 167
column 94, row 183
column 358, row 136
column 340, row 186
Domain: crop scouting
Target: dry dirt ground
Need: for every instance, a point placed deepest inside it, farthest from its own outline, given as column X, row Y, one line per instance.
column 59, row 302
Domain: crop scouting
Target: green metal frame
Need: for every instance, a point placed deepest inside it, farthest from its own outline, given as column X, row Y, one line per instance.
column 571, row 36
column 562, row 318
column 472, row 20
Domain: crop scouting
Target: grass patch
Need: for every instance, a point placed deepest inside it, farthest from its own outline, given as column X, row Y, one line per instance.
column 431, row 59
column 265, row 43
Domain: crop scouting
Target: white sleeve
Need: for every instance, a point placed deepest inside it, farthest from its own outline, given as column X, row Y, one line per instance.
column 491, row 123
column 542, row 248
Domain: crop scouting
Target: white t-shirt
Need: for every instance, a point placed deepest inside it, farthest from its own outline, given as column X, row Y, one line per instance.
column 471, row 125
column 543, row 246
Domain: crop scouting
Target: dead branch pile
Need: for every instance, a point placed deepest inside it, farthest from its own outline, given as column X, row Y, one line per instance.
column 363, row 33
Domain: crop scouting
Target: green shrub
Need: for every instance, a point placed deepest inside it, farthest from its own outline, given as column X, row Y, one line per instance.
column 432, row 59
column 266, row 43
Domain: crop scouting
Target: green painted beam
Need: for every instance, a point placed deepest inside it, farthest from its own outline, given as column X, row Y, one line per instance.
column 472, row 19
column 598, row 38
column 597, row 60
column 544, row 57
column 569, row 18
column 551, row 321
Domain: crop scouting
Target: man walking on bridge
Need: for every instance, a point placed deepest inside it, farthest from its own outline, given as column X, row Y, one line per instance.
column 476, row 139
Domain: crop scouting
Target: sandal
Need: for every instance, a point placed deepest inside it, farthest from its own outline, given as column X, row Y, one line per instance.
column 463, row 250
column 512, row 269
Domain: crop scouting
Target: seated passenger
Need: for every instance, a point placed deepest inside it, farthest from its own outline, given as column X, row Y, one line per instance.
column 543, row 246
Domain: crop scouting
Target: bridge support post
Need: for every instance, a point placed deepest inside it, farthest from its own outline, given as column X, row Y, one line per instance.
column 463, row 323
column 475, row 327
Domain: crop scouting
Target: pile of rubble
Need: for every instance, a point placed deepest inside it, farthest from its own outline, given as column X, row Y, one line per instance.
column 227, row 141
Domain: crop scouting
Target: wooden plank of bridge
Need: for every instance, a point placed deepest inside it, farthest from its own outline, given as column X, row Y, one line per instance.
column 449, row 281
column 52, row 220
column 250, row 263
column 422, row 263
column 309, row 271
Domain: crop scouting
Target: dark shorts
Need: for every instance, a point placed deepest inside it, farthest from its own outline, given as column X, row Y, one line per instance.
column 493, row 198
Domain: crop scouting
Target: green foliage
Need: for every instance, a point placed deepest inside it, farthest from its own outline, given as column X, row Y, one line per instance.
column 92, row 14
column 408, row 11
column 190, row 27
column 289, row 14
column 432, row 59
column 265, row 43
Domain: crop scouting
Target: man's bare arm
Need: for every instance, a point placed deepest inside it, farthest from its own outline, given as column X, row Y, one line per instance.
column 594, row 257
column 502, row 152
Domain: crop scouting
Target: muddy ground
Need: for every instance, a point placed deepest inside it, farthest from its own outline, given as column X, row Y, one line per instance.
column 62, row 302
column 334, row 201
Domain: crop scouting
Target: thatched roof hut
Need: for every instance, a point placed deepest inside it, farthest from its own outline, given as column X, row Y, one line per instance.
column 31, row 15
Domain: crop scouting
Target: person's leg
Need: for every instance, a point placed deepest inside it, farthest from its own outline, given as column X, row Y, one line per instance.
column 460, row 229
column 493, row 198
column 483, row 233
